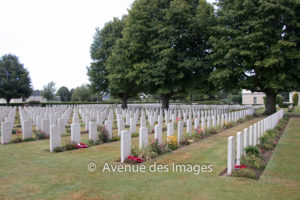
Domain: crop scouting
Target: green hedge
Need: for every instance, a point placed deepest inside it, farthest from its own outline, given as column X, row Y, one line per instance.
column 44, row 104
column 284, row 105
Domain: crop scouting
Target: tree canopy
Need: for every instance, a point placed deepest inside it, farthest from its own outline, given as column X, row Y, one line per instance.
column 108, row 72
column 177, row 48
column 64, row 93
column 256, row 47
column 81, row 93
column 100, row 50
column 48, row 91
column 166, row 43
column 14, row 79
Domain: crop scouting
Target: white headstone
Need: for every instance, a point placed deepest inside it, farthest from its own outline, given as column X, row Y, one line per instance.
column 108, row 126
column 125, row 145
column 27, row 129
column 6, row 132
column 54, row 137
column 46, row 126
column 158, row 132
column 170, row 129
column 132, row 125
column 230, row 154
column 143, row 137
column 239, row 148
column 250, row 132
column 93, row 131
column 61, row 126
column 75, row 132
column 254, row 134
column 180, row 131
column 245, row 137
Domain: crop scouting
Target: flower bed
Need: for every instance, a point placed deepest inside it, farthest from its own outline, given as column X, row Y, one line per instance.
column 155, row 149
column 257, row 157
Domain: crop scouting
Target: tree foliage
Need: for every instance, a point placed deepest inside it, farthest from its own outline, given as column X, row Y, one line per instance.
column 81, row 93
column 166, row 43
column 14, row 79
column 256, row 47
column 64, row 93
column 48, row 91
column 110, row 71
column 101, row 49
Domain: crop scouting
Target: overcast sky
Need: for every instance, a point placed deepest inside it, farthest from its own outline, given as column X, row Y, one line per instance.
column 52, row 38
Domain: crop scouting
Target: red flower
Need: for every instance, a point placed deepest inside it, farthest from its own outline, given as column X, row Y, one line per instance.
column 19, row 132
column 81, row 145
column 136, row 159
column 240, row 166
column 274, row 142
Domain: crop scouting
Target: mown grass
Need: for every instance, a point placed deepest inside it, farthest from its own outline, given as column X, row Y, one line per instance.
column 30, row 171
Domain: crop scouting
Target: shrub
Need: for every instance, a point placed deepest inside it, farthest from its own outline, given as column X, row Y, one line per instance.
column 284, row 105
column 246, row 173
column 135, row 134
column 248, row 117
column 91, row 142
column 70, row 146
column 14, row 131
column 58, row 149
column 279, row 99
column 185, row 141
column 172, row 142
column 17, row 140
column 155, row 146
column 115, row 138
column 103, row 135
column 252, row 161
column 144, row 153
column 252, row 150
column 40, row 135
column 212, row 131
column 227, row 125
column 158, row 148
column 28, row 139
column 199, row 133
column 295, row 99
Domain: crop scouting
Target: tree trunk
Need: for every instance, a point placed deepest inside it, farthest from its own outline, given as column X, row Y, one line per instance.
column 165, row 101
column 270, row 104
column 8, row 100
column 124, row 102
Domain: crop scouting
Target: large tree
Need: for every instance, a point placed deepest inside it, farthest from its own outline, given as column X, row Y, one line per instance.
column 109, row 71
column 122, row 81
column 64, row 93
column 168, row 45
column 256, row 47
column 101, row 49
column 81, row 93
column 48, row 91
column 14, row 79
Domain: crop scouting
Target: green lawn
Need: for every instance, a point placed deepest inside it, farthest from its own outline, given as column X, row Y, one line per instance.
column 29, row 171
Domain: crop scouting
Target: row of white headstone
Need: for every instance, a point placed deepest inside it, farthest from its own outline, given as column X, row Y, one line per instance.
column 250, row 136
column 7, row 125
column 55, row 136
column 143, row 132
column 41, row 118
